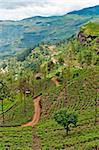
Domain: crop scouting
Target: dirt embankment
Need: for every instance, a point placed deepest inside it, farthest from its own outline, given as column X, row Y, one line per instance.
column 55, row 80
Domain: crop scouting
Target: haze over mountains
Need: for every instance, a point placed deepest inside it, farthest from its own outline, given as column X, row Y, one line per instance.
column 17, row 36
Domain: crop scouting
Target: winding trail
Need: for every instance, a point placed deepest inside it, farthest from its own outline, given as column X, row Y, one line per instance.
column 37, row 106
column 37, row 114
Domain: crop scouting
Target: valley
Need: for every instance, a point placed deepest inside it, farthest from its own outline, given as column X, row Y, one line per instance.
column 18, row 36
column 49, row 82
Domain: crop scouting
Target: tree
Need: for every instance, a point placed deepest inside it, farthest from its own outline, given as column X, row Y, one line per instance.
column 50, row 66
column 88, row 57
column 24, row 88
column 71, row 53
column 4, row 93
column 61, row 60
column 80, row 59
column 64, row 118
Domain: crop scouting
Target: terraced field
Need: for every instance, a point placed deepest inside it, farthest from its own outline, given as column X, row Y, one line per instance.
column 80, row 98
column 69, row 84
column 77, row 93
column 16, row 138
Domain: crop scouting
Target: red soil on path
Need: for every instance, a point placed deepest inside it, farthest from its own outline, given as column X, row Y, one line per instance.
column 37, row 113
column 37, row 106
column 55, row 80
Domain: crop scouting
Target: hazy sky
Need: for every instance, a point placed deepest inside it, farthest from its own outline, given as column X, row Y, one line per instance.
column 19, row 9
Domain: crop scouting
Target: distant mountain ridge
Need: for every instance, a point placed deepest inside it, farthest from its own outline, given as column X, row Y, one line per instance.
column 18, row 36
column 87, row 11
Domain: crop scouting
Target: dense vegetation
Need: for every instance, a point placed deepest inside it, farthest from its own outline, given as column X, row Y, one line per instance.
column 74, row 63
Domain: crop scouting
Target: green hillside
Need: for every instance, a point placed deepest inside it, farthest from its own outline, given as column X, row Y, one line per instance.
column 62, row 75
column 91, row 29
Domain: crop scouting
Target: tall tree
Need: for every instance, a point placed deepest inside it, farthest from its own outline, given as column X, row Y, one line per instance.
column 4, row 93
column 64, row 118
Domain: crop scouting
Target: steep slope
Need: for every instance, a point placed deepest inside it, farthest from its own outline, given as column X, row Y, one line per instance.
column 75, row 88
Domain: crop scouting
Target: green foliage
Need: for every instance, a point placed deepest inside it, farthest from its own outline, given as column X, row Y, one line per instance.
column 64, row 118
column 91, row 29
column 88, row 57
column 4, row 90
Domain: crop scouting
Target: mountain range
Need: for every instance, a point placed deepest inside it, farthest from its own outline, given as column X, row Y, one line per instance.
column 18, row 36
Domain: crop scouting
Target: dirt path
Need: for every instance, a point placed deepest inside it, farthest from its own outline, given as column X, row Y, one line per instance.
column 37, row 113
column 37, row 106
column 55, row 80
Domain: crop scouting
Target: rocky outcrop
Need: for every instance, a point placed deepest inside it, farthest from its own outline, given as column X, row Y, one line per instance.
column 87, row 39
